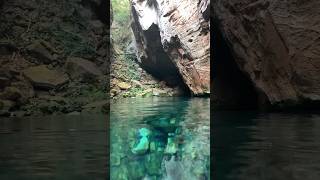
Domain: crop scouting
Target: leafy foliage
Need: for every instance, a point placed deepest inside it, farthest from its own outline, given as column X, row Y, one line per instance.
column 120, row 30
column 73, row 44
column 121, row 10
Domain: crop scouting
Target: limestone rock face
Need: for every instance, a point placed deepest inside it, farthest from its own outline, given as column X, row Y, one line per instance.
column 276, row 44
column 174, row 34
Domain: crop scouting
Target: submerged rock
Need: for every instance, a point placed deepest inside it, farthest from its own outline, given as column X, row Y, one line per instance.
column 171, row 147
column 174, row 169
column 144, row 142
column 153, row 163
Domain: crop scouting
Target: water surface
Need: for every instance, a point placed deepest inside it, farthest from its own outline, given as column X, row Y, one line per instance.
column 185, row 120
column 53, row 147
column 266, row 146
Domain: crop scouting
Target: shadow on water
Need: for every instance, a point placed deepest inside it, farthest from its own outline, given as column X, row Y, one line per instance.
column 178, row 145
column 277, row 146
column 53, row 147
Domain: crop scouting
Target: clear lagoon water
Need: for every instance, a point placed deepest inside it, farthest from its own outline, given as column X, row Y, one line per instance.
column 54, row 147
column 266, row 146
column 174, row 132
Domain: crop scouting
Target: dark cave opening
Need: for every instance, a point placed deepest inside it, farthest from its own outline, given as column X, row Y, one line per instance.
column 232, row 89
column 159, row 64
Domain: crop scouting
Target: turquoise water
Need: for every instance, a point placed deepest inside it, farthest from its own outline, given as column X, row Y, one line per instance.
column 173, row 142
column 266, row 146
column 54, row 147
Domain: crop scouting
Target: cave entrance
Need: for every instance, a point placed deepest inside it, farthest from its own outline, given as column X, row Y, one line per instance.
column 232, row 89
column 159, row 64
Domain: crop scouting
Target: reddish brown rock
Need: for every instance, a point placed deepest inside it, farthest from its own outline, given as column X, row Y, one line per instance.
column 174, row 36
column 276, row 44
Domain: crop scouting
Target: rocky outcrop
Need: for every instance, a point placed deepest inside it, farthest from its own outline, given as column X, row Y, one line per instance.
column 82, row 69
column 42, row 44
column 276, row 44
column 172, row 39
column 43, row 78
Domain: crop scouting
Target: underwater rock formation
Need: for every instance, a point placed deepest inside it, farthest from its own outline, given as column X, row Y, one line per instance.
column 172, row 39
column 276, row 44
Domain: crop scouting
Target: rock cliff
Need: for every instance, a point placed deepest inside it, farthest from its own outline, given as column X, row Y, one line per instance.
column 276, row 44
column 172, row 41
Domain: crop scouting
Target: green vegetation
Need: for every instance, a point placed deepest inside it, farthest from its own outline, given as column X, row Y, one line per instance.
column 120, row 30
column 94, row 93
column 73, row 44
column 131, row 67
column 121, row 9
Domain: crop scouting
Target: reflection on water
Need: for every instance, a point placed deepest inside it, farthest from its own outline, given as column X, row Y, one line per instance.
column 269, row 146
column 55, row 147
column 160, row 138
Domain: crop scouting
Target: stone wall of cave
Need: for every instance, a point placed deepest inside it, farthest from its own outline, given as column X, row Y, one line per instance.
column 232, row 88
column 152, row 57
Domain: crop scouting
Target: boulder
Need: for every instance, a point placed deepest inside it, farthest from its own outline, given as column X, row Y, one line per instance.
column 144, row 143
column 124, row 85
column 43, row 78
column 82, row 69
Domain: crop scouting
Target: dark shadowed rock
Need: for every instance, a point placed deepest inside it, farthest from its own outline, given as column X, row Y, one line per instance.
column 5, row 107
column 98, row 106
column 4, row 81
column 276, row 44
column 43, row 78
column 11, row 93
column 7, row 47
column 42, row 51
column 82, row 69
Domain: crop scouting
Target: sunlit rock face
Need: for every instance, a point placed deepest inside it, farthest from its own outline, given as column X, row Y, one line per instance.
column 276, row 44
column 175, row 35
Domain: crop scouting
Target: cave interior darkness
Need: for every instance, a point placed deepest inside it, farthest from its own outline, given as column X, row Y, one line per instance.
column 231, row 88
column 159, row 64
